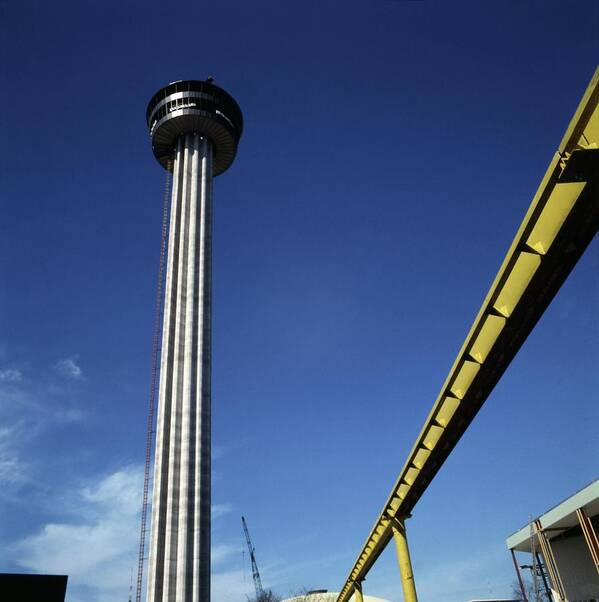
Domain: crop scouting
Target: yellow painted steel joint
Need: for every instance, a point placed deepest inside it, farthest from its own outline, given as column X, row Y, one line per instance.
column 358, row 592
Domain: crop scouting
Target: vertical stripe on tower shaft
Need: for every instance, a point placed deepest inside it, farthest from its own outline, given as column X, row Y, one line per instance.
column 180, row 544
column 201, row 557
column 178, row 359
column 161, row 472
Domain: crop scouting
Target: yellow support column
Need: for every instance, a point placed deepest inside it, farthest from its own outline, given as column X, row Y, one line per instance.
column 358, row 592
column 403, row 558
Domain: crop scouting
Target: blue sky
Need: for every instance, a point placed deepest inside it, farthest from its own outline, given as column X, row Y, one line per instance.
column 390, row 151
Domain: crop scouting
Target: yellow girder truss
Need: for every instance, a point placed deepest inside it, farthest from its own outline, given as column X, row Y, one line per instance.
column 559, row 224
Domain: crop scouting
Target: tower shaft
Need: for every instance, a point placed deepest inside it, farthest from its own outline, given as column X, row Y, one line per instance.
column 179, row 568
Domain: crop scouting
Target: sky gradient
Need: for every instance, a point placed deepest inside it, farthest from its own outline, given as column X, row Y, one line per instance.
column 390, row 151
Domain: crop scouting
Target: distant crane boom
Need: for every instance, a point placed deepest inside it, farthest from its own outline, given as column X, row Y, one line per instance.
column 255, row 572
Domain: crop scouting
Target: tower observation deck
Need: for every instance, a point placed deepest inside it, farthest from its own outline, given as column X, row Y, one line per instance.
column 195, row 127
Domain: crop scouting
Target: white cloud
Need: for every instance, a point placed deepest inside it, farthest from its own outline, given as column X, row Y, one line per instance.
column 67, row 415
column 123, row 487
column 231, row 586
column 28, row 408
column 98, row 549
column 94, row 537
column 12, row 470
column 69, row 368
column 10, row 375
column 222, row 552
column 218, row 451
column 465, row 578
column 219, row 510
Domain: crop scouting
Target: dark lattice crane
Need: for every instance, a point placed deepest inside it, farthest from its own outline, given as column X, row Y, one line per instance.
column 255, row 572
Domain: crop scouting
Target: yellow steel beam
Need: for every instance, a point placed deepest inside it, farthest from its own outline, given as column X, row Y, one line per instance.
column 558, row 226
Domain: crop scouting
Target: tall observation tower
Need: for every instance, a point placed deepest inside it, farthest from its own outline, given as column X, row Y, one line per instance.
column 195, row 127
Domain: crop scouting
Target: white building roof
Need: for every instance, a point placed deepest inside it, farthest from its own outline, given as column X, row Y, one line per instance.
column 560, row 518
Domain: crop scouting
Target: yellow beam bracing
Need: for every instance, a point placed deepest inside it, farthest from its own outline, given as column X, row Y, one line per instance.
column 558, row 226
column 358, row 591
column 404, row 561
